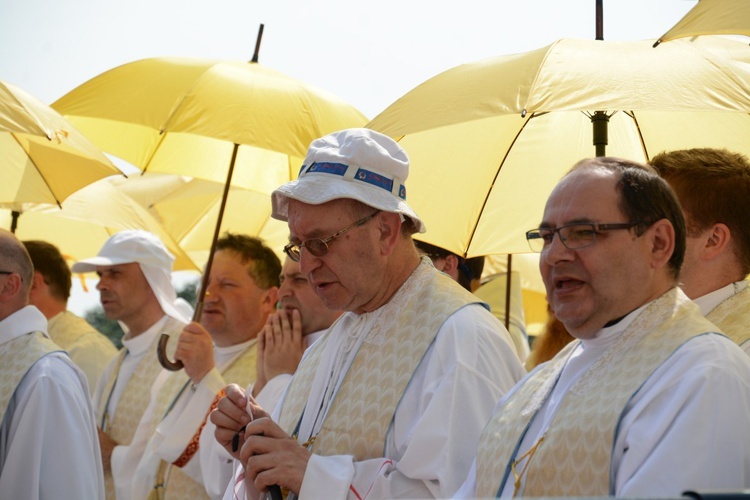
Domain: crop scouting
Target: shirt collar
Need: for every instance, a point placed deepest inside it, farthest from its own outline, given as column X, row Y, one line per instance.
column 23, row 321
column 708, row 302
column 140, row 343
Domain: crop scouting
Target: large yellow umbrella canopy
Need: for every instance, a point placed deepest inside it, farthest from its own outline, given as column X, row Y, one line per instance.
column 44, row 158
column 489, row 140
column 712, row 17
column 183, row 116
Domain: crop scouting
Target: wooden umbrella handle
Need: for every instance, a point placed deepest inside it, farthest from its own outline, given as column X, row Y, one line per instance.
column 161, row 351
column 161, row 354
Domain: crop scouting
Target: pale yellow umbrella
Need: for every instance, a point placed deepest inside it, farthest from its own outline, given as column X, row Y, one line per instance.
column 44, row 158
column 489, row 140
column 86, row 219
column 232, row 122
column 712, row 17
column 184, row 116
column 188, row 209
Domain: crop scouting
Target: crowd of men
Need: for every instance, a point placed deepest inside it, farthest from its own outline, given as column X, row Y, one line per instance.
column 365, row 367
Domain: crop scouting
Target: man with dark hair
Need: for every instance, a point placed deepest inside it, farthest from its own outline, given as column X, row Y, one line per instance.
column 48, row 438
column 221, row 349
column 713, row 186
column 389, row 403
column 649, row 401
column 50, row 290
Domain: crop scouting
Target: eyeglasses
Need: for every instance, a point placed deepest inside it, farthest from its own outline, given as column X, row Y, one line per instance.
column 319, row 246
column 7, row 272
column 573, row 236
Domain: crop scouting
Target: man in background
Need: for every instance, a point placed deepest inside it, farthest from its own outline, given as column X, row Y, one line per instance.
column 48, row 441
column 50, row 291
column 218, row 350
column 135, row 288
column 713, row 186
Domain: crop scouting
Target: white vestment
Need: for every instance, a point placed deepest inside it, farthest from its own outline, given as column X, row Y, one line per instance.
column 710, row 302
column 49, row 446
column 659, row 451
column 214, row 458
column 437, row 424
column 174, row 432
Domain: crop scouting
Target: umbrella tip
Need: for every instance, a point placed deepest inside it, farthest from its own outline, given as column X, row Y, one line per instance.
column 257, row 44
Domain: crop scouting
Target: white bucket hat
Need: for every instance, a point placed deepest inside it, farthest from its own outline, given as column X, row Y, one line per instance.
column 358, row 164
column 155, row 260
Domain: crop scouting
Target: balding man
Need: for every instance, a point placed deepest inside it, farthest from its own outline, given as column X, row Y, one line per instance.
column 48, row 437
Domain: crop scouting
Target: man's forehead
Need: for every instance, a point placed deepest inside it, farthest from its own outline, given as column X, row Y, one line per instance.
column 117, row 267
column 582, row 196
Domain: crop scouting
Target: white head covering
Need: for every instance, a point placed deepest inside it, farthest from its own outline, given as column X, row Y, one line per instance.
column 154, row 259
column 357, row 163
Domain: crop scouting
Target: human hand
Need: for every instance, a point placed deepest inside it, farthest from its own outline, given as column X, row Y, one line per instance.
column 233, row 412
column 280, row 347
column 195, row 349
column 272, row 457
column 106, row 445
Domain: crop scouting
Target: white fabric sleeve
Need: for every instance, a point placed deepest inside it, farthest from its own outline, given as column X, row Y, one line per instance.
column 686, row 429
column 52, row 447
column 437, row 425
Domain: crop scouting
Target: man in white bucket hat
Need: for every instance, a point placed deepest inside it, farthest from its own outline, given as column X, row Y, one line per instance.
column 390, row 402
column 135, row 287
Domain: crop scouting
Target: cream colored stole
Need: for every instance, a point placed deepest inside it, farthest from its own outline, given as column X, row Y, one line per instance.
column 363, row 408
column 17, row 356
column 171, row 482
column 65, row 329
column 732, row 316
column 137, row 395
column 575, row 457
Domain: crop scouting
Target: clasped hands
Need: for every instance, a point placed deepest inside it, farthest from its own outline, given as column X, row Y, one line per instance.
column 269, row 455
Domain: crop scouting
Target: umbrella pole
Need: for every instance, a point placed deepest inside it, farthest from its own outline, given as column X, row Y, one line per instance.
column 14, row 220
column 600, row 122
column 162, row 348
column 507, row 292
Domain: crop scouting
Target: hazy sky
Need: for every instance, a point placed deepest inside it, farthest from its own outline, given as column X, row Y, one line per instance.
column 368, row 53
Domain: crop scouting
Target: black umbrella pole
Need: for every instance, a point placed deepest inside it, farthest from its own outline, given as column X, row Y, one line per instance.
column 161, row 351
column 600, row 122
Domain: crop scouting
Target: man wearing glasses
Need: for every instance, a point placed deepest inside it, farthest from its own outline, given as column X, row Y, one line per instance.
column 649, row 401
column 391, row 401
column 48, row 438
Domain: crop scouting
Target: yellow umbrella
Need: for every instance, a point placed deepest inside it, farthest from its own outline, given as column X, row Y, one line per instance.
column 184, row 116
column 188, row 209
column 206, row 119
column 86, row 219
column 712, row 17
column 44, row 158
column 489, row 140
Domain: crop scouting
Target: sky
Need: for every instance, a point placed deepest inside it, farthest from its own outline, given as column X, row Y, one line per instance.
column 367, row 53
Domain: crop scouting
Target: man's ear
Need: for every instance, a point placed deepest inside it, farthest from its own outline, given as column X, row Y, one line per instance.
column 451, row 264
column 715, row 241
column 37, row 281
column 389, row 226
column 10, row 288
column 663, row 243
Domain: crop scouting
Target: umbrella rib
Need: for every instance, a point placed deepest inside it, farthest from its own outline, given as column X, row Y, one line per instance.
column 497, row 173
column 631, row 114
